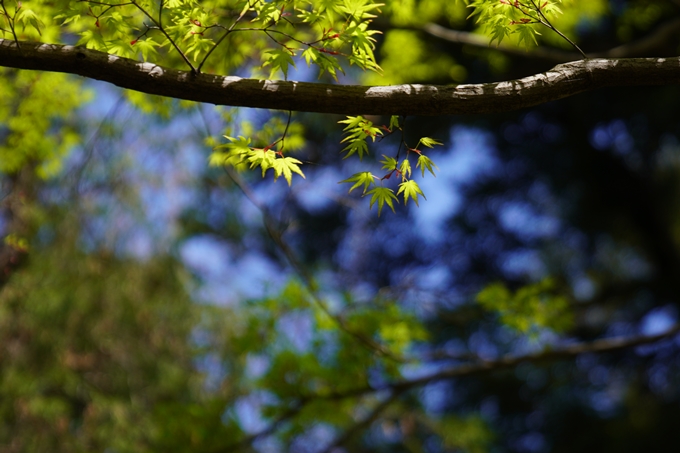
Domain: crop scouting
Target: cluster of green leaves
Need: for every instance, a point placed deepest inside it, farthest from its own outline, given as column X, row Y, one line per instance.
column 239, row 153
column 358, row 130
column 17, row 15
column 505, row 17
column 186, row 32
column 530, row 308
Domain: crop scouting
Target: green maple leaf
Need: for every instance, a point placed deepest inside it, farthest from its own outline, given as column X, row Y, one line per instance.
column 382, row 195
column 358, row 129
column 410, row 189
column 147, row 47
column 389, row 163
column 236, row 151
column 358, row 8
column 365, row 178
column 262, row 158
column 279, row 59
column 357, row 146
column 352, row 122
column 429, row 142
column 394, row 122
column 405, row 169
column 499, row 32
column 286, row 166
column 527, row 34
column 28, row 18
column 425, row 162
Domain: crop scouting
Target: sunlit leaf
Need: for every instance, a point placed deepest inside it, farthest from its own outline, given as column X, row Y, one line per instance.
column 286, row 166
column 425, row 162
column 382, row 195
column 410, row 189
column 364, row 179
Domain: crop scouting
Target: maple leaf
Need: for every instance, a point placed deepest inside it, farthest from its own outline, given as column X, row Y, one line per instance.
column 382, row 195
column 365, row 178
column 286, row 166
column 410, row 189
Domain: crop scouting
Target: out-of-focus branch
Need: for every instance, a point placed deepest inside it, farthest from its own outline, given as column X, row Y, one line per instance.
column 271, row 225
column 399, row 388
column 472, row 39
column 477, row 368
column 364, row 423
column 268, row 431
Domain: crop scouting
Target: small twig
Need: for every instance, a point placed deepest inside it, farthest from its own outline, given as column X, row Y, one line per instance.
column 544, row 20
column 222, row 38
column 89, row 147
column 285, row 132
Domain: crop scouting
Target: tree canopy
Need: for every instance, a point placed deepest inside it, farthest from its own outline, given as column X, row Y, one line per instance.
column 514, row 289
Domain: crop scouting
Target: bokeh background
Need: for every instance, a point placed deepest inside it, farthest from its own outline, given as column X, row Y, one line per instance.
column 152, row 302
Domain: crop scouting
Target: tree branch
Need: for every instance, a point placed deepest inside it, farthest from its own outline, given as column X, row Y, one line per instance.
column 562, row 81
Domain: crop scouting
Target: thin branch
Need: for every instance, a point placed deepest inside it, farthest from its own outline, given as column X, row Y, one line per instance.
column 662, row 34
